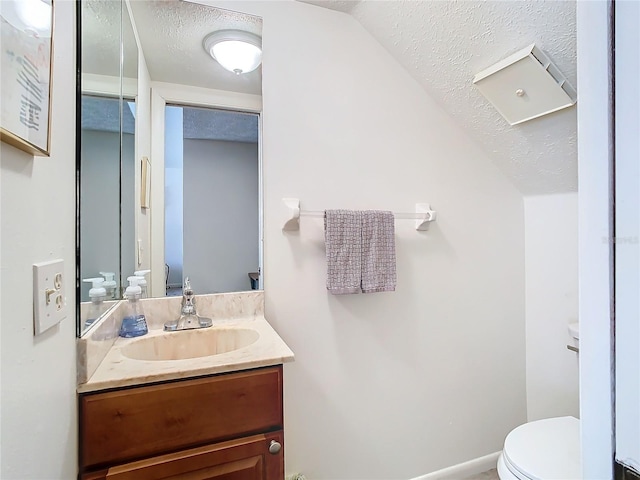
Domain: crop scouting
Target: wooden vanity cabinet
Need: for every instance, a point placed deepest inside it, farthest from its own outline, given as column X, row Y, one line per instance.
column 223, row 427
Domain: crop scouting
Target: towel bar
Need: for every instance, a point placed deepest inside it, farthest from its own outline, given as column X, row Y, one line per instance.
column 292, row 213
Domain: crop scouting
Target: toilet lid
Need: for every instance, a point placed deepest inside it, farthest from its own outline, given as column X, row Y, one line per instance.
column 545, row 449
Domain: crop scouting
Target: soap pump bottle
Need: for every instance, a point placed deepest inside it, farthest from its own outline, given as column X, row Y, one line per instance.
column 142, row 282
column 134, row 323
column 109, row 284
column 97, row 295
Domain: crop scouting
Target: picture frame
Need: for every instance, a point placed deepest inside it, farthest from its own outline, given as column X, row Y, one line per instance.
column 26, row 66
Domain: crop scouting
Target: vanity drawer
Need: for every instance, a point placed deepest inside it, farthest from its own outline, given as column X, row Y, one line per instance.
column 139, row 422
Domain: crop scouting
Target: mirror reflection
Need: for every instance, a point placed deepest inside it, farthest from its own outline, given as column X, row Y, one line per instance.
column 210, row 204
column 106, row 192
column 106, row 158
column 211, row 199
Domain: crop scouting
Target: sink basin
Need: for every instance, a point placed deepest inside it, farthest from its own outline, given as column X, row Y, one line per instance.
column 190, row 344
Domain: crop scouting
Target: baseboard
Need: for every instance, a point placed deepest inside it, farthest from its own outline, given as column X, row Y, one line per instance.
column 463, row 470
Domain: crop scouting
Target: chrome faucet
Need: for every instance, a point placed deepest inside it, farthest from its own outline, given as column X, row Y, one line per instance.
column 189, row 319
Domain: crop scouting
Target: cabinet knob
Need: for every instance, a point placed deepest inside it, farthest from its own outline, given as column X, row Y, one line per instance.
column 274, row 447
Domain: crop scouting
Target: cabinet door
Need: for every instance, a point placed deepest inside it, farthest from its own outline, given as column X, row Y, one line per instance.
column 246, row 458
column 139, row 423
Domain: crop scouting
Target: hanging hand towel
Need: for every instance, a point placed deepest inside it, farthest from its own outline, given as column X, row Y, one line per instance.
column 378, row 252
column 343, row 239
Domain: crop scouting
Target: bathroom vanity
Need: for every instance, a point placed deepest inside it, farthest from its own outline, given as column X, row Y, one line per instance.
column 220, row 426
column 195, row 404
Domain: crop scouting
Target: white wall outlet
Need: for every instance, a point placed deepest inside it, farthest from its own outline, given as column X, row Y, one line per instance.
column 49, row 300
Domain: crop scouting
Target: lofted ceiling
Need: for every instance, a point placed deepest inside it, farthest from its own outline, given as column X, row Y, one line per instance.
column 443, row 44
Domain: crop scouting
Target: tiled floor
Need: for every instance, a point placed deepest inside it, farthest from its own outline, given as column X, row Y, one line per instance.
column 488, row 475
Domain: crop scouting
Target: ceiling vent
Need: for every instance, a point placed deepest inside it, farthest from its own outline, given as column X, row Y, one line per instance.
column 525, row 85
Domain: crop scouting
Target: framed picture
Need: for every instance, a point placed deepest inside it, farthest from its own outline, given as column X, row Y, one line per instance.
column 26, row 46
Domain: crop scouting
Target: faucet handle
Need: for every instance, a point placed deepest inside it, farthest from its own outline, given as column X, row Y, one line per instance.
column 188, row 299
column 187, row 292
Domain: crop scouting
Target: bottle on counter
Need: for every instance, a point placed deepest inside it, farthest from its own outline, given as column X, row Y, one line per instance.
column 134, row 324
column 142, row 282
column 109, row 284
column 97, row 295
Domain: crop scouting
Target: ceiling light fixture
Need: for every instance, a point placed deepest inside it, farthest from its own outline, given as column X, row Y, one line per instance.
column 237, row 51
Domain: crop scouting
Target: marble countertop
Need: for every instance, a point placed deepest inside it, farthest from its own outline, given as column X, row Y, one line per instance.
column 118, row 370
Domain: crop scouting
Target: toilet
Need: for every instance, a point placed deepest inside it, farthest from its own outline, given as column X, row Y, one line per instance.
column 542, row 450
column 546, row 449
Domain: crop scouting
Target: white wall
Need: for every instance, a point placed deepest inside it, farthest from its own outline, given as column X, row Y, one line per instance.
column 594, row 245
column 627, row 334
column 174, row 194
column 103, row 203
column 221, row 214
column 38, row 411
column 390, row 385
column 128, row 203
column 143, row 150
column 551, row 266
column 100, row 215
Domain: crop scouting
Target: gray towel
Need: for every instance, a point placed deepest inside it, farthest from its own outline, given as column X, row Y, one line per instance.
column 342, row 235
column 361, row 253
column 378, row 252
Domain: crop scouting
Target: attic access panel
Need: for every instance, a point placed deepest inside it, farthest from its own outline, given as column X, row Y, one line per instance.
column 525, row 85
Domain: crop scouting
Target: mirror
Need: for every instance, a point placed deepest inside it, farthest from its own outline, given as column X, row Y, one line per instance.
column 109, row 64
column 137, row 210
column 211, row 199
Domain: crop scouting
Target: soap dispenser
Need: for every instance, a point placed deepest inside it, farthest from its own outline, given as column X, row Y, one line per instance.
column 134, row 323
column 97, row 294
column 109, row 284
column 142, row 282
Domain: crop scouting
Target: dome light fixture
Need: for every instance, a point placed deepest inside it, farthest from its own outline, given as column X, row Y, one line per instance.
column 235, row 50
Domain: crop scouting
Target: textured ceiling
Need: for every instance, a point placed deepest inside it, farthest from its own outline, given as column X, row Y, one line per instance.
column 103, row 114
column 101, row 37
column 340, row 5
column 171, row 33
column 210, row 124
column 443, row 44
column 101, row 23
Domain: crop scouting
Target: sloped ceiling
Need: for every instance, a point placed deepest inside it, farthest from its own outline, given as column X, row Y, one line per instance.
column 443, row 44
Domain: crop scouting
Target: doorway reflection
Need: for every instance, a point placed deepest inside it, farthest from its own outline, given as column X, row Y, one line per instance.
column 211, row 199
column 107, row 190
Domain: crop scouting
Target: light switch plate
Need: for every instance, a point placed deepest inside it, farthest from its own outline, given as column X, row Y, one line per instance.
column 49, row 295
